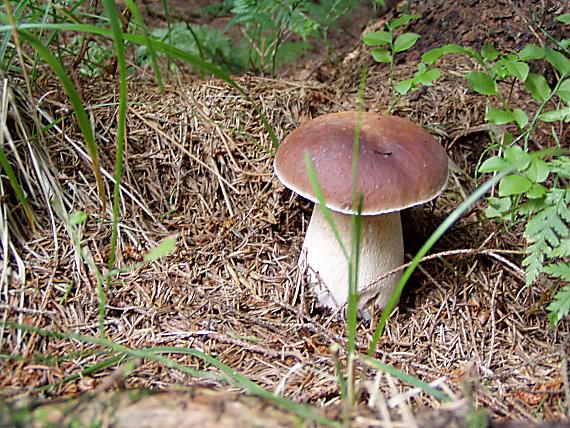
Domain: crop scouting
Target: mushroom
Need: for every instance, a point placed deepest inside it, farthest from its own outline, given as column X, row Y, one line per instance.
column 399, row 165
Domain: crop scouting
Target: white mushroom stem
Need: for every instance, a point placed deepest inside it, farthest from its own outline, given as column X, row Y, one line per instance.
column 381, row 250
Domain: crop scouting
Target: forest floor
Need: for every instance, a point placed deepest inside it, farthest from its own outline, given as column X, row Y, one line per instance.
column 199, row 166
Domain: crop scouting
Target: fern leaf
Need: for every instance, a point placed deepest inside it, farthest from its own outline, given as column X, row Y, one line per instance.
column 560, row 306
column 534, row 261
column 563, row 250
column 559, row 270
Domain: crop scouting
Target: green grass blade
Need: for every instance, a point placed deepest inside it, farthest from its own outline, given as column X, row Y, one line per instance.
column 322, row 203
column 438, row 233
column 8, row 36
column 155, row 354
column 392, row 371
column 120, row 349
column 115, row 22
column 159, row 47
column 357, row 201
column 137, row 16
column 77, row 104
column 302, row 410
column 15, row 183
column 95, row 368
column 352, row 303
column 137, row 39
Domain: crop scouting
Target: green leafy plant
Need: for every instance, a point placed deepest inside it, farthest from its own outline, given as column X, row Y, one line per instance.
column 269, row 26
column 387, row 45
column 537, row 193
column 525, row 196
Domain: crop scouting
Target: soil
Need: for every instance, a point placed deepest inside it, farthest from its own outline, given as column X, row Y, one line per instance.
column 199, row 166
column 507, row 24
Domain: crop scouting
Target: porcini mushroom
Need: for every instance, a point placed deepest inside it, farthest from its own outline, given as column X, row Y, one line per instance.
column 399, row 165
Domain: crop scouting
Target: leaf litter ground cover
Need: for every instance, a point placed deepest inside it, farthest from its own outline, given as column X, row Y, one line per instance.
column 199, row 165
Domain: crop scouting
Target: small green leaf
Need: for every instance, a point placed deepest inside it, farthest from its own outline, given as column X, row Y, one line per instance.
column 564, row 91
column 521, row 118
column 162, row 249
column 499, row 117
column 494, row 164
column 507, row 139
column 405, row 41
column 517, row 69
column 381, row 55
column 402, row 20
column 499, row 70
column 558, row 60
column 492, row 212
column 517, row 157
column 489, row 52
column 431, row 56
column 556, row 115
column 514, row 185
column 481, row 83
column 531, row 52
column 538, row 170
column 77, row 217
column 377, row 38
column 537, row 191
column 427, row 77
column 404, row 86
column 538, row 87
column 452, row 48
column 497, row 207
column 560, row 306
column 564, row 44
column 565, row 19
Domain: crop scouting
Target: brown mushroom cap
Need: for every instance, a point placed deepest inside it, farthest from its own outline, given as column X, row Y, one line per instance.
column 399, row 165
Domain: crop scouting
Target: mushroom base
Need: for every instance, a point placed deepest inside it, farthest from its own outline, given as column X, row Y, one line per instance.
column 381, row 250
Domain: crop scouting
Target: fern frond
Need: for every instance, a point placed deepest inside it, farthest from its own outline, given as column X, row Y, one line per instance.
column 560, row 270
column 548, row 233
column 560, row 306
column 535, row 260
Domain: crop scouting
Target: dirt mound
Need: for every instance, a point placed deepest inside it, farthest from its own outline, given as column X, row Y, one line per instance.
column 507, row 24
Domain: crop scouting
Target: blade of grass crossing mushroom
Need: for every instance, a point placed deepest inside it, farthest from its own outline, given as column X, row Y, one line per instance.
column 354, row 263
column 322, row 203
column 155, row 354
column 136, row 13
column 438, row 233
column 357, row 201
column 77, row 104
column 115, row 22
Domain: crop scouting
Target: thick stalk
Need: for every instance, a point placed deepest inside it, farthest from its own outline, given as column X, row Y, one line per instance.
column 381, row 250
